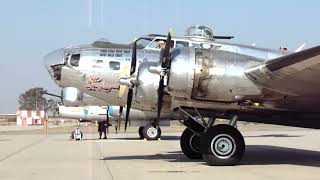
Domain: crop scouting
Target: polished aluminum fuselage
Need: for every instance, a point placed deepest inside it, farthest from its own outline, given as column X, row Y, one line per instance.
column 204, row 78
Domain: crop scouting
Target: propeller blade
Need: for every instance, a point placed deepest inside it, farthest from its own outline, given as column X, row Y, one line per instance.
column 134, row 58
column 115, row 127
column 108, row 120
column 129, row 101
column 165, row 63
column 61, row 97
column 130, row 91
column 160, row 99
column 120, row 117
column 165, row 54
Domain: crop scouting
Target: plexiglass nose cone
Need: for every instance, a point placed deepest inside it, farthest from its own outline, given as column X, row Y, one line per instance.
column 53, row 62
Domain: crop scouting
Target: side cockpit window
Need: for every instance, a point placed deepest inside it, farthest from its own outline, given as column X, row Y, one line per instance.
column 180, row 44
column 114, row 65
column 159, row 44
column 74, row 61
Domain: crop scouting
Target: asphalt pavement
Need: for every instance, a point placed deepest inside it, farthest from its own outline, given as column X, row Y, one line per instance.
column 270, row 154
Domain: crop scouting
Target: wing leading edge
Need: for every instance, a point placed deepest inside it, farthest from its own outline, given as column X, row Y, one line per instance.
column 294, row 74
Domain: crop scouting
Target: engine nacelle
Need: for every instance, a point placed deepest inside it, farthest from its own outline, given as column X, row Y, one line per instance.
column 100, row 113
column 72, row 96
column 211, row 75
column 84, row 113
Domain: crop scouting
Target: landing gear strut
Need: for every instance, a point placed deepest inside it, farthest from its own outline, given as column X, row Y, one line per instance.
column 218, row 145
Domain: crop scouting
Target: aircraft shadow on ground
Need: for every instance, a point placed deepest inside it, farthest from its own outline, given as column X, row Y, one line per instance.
column 274, row 135
column 167, row 138
column 255, row 155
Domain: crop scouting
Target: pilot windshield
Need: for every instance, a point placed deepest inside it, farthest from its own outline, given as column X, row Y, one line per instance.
column 143, row 42
column 158, row 44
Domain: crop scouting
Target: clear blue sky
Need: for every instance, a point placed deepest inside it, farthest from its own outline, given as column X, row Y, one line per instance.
column 30, row 29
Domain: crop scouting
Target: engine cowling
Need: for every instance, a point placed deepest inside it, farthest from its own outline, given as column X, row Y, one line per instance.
column 211, row 75
column 72, row 96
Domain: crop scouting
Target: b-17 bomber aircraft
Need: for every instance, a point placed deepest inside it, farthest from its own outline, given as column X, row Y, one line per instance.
column 198, row 79
column 78, row 105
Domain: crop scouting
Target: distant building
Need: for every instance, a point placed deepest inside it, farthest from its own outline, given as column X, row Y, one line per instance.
column 26, row 118
column 7, row 119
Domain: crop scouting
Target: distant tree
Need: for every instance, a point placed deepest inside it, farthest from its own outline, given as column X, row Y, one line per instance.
column 51, row 105
column 33, row 99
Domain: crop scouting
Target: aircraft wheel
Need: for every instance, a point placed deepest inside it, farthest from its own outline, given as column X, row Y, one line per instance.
column 222, row 145
column 81, row 137
column 150, row 132
column 72, row 134
column 190, row 144
column 140, row 131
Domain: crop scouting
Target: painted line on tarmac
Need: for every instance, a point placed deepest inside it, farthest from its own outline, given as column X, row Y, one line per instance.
column 117, row 140
column 105, row 163
column 23, row 149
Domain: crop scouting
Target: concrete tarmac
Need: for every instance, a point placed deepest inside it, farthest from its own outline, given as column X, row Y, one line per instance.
column 269, row 155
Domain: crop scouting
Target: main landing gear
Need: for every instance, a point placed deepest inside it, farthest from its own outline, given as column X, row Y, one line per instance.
column 218, row 145
column 149, row 132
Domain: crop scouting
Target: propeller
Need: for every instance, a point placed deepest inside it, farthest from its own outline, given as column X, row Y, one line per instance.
column 119, row 119
column 61, row 97
column 130, row 91
column 108, row 120
column 165, row 60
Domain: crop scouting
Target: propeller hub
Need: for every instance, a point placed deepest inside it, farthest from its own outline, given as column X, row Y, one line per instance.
column 128, row 81
column 157, row 70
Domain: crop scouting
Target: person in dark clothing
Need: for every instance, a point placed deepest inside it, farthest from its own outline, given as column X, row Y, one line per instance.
column 102, row 128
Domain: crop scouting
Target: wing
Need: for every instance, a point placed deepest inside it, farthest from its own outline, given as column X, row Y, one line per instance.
column 294, row 74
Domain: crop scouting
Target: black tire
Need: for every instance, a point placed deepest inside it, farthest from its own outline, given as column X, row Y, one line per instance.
column 222, row 145
column 190, row 144
column 150, row 132
column 72, row 134
column 140, row 132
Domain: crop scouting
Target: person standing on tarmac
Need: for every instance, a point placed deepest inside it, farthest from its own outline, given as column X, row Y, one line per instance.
column 102, row 128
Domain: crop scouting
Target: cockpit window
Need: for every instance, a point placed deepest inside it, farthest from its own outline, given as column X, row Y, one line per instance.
column 74, row 61
column 182, row 44
column 66, row 57
column 159, row 43
column 142, row 43
column 114, row 65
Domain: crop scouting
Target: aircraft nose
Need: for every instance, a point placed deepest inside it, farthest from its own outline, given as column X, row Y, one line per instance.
column 54, row 62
